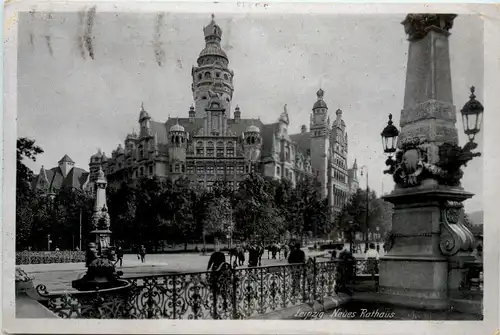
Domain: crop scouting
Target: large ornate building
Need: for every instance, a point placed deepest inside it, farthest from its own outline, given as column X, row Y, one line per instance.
column 210, row 144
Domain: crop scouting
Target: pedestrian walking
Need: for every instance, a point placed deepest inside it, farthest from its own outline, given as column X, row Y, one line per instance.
column 119, row 256
column 142, row 253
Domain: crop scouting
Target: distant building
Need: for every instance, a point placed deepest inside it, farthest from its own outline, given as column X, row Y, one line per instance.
column 210, row 144
column 63, row 175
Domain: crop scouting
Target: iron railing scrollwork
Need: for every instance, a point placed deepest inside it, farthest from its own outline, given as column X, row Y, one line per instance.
column 226, row 293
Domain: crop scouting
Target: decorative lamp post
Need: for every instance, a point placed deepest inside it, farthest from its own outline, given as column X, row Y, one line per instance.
column 472, row 116
column 390, row 137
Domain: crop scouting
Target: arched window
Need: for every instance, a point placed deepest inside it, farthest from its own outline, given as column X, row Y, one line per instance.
column 287, row 154
column 225, row 76
column 217, row 74
column 208, row 75
column 177, row 140
column 248, row 140
column 141, row 151
column 200, row 76
column 278, row 171
column 253, row 140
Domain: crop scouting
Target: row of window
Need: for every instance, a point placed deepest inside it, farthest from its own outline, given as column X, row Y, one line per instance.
column 339, row 197
column 340, row 176
column 240, row 169
column 220, row 144
column 209, row 75
column 209, row 152
column 144, row 171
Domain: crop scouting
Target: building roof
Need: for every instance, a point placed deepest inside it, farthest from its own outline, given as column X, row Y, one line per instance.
column 66, row 159
column 76, row 178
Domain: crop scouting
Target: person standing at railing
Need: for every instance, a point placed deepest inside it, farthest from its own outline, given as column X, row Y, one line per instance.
column 285, row 250
column 216, row 259
column 297, row 256
column 372, row 257
column 345, row 269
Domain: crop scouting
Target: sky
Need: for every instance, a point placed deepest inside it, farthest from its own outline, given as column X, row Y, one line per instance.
column 71, row 103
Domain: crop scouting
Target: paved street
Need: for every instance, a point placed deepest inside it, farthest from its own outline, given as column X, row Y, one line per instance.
column 58, row 277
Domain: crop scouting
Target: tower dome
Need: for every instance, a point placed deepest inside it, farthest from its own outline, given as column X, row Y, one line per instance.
column 97, row 156
column 320, row 103
column 338, row 112
column 143, row 114
column 212, row 31
column 252, row 129
column 177, row 127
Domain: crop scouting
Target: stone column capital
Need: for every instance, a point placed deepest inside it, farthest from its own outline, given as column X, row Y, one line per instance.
column 418, row 25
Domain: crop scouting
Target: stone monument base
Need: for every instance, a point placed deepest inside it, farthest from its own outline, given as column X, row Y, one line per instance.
column 428, row 231
column 414, row 281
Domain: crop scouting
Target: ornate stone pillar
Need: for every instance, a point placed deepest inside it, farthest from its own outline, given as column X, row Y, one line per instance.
column 427, row 221
column 100, row 219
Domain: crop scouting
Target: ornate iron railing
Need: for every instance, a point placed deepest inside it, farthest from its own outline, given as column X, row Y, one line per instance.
column 223, row 294
column 48, row 257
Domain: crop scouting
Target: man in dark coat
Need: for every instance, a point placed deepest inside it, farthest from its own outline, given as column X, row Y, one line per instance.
column 345, row 270
column 216, row 260
column 297, row 256
column 253, row 255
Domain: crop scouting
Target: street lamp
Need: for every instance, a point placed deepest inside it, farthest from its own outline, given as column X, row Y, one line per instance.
column 472, row 116
column 390, row 137
column 389, row 142
column 365, row 168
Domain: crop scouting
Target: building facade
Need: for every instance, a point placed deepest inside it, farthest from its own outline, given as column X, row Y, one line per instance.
column 215, row 143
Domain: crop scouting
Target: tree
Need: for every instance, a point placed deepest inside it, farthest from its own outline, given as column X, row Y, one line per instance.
column 26, row 149
column 184, row 221
column 26, row 198
column 256, row 215
column 122, row 206
column 218, row 217
column 352, row 218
